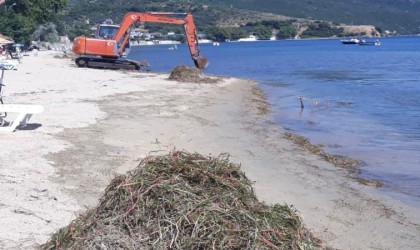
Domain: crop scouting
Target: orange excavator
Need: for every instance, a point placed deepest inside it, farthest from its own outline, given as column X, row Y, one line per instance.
column 111, row 42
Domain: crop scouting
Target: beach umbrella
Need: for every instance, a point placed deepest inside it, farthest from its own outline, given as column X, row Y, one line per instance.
column 5, row 40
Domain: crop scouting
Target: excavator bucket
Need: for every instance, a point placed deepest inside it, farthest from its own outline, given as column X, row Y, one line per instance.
column 200, row 62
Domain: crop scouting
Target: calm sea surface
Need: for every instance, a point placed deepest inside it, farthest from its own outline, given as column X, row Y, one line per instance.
column 359, row 101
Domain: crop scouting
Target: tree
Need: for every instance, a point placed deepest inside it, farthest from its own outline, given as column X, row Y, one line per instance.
column 217, row 34
column 379, row 29
column 46, row 33
column 20, row 18
column 220, row 34
column 41, row 11
column 286, row 31
column 321, row 29
column 237, row 33
column 263, row 32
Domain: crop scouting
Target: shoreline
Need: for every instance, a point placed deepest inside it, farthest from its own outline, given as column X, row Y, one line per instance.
column 381, row 165
column 98, row 123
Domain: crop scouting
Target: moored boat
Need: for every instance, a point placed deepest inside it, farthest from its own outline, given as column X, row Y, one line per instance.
column 370, row 43
column 351, row 41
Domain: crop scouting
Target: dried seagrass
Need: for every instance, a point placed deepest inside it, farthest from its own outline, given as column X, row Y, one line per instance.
column 189, row 74
column 184, row 201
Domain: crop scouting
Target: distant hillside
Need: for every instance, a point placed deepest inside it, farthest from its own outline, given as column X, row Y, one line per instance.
column 402, row 16
column 399, row 15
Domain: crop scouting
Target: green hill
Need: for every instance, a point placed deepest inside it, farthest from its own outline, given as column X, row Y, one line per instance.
column 397, row 15
column 219, row 20
column 394, row 15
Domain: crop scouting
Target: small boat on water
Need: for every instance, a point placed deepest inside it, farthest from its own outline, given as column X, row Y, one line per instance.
column 351, row 41
column 251, row 38
column 370, row 43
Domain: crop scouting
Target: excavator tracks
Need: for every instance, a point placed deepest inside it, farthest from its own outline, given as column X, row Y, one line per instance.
column 107, row 63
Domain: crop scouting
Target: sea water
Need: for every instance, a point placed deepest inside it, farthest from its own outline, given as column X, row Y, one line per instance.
column 358, row 101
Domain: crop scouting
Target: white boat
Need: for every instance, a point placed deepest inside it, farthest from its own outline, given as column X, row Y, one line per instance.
column 162, row 42
column 204, row 41
column 351, row 41
column 371, row 43
column 251, row 38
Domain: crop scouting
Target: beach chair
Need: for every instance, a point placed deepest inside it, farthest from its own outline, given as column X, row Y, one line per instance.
column 22, row 115
column 1, row 83
column 2, row 115
column 9, row 64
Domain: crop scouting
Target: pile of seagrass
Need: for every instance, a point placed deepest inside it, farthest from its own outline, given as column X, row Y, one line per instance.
column 184, row 201
column 189, row 74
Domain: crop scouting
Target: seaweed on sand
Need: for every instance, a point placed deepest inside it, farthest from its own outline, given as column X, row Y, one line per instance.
column 340, row 161
column 184, row 201
column 183, row 73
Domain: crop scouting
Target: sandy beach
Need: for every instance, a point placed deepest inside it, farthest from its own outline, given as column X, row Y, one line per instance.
column 98, row 123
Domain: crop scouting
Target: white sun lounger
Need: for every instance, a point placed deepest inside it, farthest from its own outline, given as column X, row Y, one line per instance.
column 24, row 113
column 9, row 64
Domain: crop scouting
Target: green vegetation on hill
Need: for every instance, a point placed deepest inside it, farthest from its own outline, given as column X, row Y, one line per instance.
column 398, row 15
column 401, row 16
column 219, row 19
column 20, row 18
column 321, row 29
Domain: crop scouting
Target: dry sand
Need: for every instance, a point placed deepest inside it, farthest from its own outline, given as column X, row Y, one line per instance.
column 98, row 123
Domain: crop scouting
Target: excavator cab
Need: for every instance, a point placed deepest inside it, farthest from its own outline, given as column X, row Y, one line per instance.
column 106, row 31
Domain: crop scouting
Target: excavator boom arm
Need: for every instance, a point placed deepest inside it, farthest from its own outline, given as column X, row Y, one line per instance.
column 107, row 51
column 167, row 18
